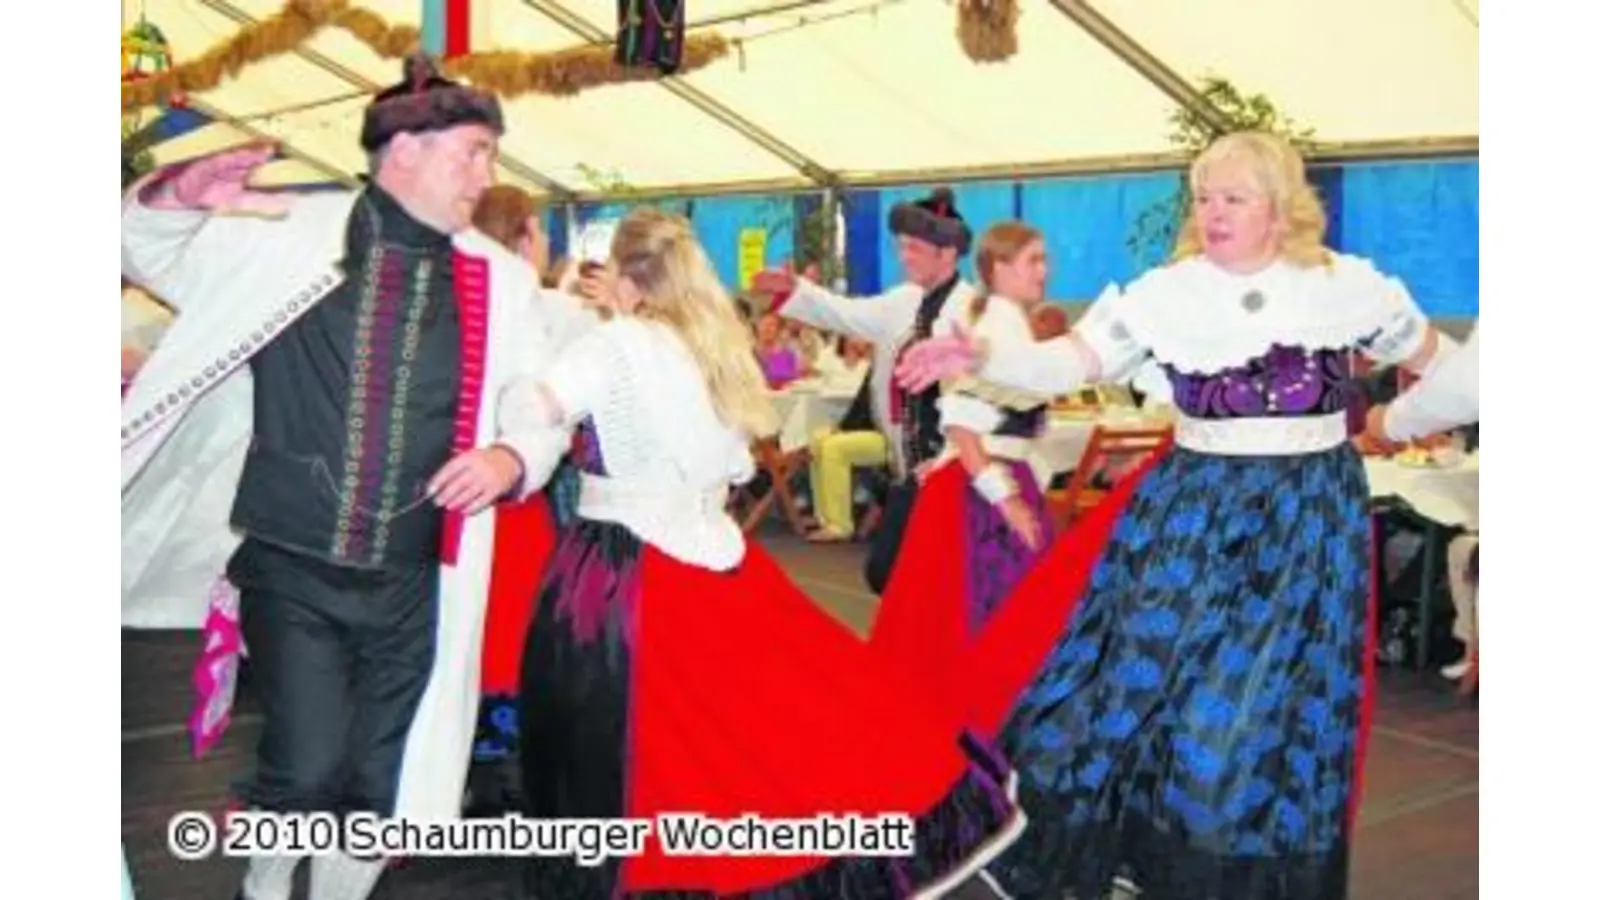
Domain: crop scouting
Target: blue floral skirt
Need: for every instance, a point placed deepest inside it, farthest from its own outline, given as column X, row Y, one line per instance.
column 1199, row 727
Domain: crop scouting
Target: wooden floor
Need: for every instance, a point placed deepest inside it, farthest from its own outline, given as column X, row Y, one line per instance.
column 1418, row 834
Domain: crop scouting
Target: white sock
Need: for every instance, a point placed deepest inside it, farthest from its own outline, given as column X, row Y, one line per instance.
column 337, row 876
column 270, row 877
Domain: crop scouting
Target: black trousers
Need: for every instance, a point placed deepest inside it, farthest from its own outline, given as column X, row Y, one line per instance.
column 339, row 658
column 885, row 549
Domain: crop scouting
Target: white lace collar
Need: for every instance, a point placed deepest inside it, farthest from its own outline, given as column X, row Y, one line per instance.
column 1200, row 318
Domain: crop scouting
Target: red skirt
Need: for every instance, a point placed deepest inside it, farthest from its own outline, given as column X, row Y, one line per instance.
column 922, row 630
column 653, row 686
column 524, row 538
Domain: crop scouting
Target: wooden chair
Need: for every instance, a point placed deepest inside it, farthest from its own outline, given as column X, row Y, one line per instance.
column 1111, row 451
column 749, row 508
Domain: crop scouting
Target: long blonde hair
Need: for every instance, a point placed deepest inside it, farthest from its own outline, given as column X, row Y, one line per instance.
column 658, row 253
column 1002, row 243
column 1278, row 167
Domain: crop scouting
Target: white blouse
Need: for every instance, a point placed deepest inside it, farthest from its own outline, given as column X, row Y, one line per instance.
column 1004, row 328
column 669, row 459
column 1201, row 319
column 981, row 409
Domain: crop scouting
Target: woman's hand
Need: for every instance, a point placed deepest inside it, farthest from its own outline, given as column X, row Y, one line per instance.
column 1022, row 521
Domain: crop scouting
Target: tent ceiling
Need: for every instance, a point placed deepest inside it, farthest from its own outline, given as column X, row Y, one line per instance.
column 875, row 96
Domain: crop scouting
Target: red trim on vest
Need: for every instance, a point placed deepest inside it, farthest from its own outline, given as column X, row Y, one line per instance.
column 472, row 304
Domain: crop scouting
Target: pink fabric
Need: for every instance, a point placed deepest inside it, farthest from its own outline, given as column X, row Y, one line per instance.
column 216, row 675
column 781, row 365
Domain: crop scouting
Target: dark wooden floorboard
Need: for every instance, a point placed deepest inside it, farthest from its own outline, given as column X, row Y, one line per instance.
column 1417, row 838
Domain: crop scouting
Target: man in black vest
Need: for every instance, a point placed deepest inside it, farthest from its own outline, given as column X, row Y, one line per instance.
column 931, row 238
column 366, row 496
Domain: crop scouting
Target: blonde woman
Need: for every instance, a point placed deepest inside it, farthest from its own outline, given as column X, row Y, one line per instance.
column 1200, row 722
column 672, row 667
column 981, row 494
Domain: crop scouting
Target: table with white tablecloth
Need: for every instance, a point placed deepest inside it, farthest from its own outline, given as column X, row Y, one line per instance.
column 1447, row 495
column 1441, row 498
column 806, row 407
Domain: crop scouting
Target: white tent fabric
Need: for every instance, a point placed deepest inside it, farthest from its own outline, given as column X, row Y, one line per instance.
column 868, row 91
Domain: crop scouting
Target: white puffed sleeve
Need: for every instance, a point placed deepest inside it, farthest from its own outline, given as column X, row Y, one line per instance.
column 1105, row 330
column 1003, row 326
column 1394, row 326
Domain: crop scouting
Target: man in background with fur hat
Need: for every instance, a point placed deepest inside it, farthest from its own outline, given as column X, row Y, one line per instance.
column 931, row 238
column 320, row 425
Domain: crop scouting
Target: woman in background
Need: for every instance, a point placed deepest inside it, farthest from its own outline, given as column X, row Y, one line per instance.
column 984, row 495
column 781, row 361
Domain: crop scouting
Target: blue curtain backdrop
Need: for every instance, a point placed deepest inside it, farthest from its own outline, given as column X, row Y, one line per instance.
column 718, row 221
column 1419, row 223
column 1087, row 223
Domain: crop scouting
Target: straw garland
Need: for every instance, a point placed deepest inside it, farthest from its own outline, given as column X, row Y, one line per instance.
column 503, row 73
column 988, row 29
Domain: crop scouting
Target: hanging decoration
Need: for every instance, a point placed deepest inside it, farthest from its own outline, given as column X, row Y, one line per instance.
column 446, row 28
column 650, row 33
column 145, row 54
column 987, row 29
column 457, row 28
column 504, row 73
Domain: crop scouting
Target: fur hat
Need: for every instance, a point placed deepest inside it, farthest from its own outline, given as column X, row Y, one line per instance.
column 934, row 219
column 426, row 101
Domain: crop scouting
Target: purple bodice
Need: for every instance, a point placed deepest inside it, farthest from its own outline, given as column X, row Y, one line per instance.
column 1285, row 381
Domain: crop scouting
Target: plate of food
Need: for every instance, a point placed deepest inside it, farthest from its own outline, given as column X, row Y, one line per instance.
column 1446, row 457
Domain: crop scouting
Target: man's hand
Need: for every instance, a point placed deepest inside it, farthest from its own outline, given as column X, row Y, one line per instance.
column 777, row 282
column 1372, row 441
column 218, row 183
column 935, row 359
column 132, row 361
column 475, row 479
column 596, row 285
